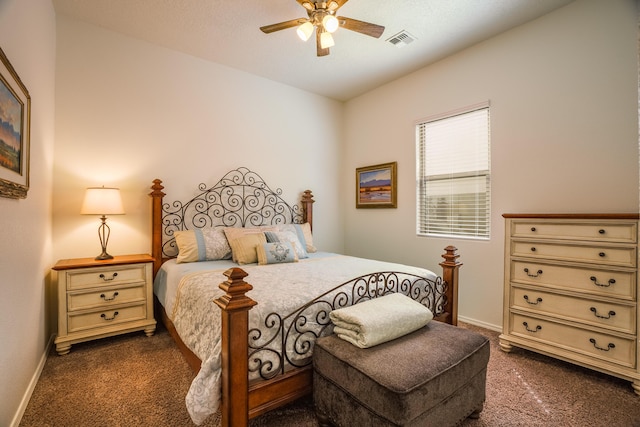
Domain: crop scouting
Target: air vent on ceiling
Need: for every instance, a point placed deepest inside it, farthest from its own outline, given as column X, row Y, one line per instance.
column 401, row 39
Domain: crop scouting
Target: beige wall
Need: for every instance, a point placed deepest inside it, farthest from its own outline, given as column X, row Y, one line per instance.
column 27, row 37
column 128, row 112
column 564, row 136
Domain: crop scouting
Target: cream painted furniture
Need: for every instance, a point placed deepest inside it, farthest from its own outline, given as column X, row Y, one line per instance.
column 571, row 289
column 98, row 299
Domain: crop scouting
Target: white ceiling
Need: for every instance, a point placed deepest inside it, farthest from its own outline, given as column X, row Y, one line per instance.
column 227, row 32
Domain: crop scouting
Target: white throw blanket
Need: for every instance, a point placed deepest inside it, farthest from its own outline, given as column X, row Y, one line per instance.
column 379, row 320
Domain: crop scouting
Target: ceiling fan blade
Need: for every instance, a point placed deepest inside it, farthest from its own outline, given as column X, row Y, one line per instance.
column 319, row 49
column 362, row 27
column 283, row 25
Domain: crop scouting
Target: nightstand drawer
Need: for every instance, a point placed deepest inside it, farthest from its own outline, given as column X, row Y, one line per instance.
column 105, row 297
column 601, row 231
column 105, row 317
column 604, row 255
column 603, row 314
column 105, row 276
column 609, row 348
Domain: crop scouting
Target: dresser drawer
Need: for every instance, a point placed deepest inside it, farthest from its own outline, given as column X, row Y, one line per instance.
column 607, row 315
column 593, row 231
column 105, row 276
column 603, row 255
column 105, row 317
column 105, row 297
column 592, row 281
column 610, row 348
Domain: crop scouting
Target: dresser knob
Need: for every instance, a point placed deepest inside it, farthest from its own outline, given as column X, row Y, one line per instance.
column 595, row 344
column 104, row 316
column 526, row 270
column 103, row 296
column 599, row 316
column 602, row 285
column 108, row 279
column 526, row 326
column 601, row 231
column 602, row 254
column 533, row 229
column 538, row 300
column 533, row 249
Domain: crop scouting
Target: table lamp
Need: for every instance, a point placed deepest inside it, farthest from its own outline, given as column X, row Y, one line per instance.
column 102, row 201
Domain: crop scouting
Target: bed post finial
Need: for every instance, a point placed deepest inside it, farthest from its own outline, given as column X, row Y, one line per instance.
column 307, row 207
column 450, row 267
column 156, row 226
column 235, row 306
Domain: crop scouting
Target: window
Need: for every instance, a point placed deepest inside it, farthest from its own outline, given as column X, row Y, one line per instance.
column 453, row 174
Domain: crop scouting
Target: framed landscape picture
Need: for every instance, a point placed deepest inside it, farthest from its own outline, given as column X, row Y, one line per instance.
column 376, row 186
column 15, row 121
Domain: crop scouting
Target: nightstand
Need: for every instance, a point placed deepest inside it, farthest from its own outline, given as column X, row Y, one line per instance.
column 98, row 299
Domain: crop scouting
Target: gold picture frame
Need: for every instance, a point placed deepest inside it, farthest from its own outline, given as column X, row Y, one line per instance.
column 376, row 186
column 15, row 132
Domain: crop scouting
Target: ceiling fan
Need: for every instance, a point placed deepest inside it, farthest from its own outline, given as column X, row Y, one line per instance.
column 322, row 18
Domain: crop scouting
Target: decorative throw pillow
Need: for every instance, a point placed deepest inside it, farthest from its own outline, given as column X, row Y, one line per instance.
column 288, row 236
column 244, row 248
column 202, row 244
column 303, row 231
column 276, row 253
column 233, row 233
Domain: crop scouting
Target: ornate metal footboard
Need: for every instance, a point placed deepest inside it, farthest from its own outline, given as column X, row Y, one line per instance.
column 297, row 331
column 284, row 342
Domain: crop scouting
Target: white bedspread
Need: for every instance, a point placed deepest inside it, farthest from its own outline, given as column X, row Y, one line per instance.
column 278, row 288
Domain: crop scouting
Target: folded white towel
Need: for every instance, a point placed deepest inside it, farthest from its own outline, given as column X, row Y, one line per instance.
column 379, row 320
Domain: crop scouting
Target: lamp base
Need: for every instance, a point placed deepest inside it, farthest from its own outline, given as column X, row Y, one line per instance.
column 103, row 256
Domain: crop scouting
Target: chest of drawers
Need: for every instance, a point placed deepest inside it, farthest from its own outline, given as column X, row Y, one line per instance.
column 571, row 290
column 97, row 299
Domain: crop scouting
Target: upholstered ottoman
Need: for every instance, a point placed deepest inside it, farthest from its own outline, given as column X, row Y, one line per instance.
column 434, row 376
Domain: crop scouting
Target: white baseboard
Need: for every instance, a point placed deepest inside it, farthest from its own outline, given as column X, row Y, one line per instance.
column 32, row 385
column 480, row 323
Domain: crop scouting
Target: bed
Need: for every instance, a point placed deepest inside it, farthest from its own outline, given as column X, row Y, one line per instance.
column 247, row 325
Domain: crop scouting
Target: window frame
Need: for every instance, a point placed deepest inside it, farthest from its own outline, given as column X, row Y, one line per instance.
column 454, row 223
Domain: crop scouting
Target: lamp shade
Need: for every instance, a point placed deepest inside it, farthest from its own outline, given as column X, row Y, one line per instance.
column 102, row 201
column 304, row 31
column 326, row 40
column 330, row 23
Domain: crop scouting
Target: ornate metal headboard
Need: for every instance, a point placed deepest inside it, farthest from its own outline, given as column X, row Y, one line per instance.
column 241, row 198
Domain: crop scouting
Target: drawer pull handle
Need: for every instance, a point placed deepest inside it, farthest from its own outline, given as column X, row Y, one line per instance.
column 609, row 346
column 538, row 300
column 108, row 279
column 603, row 285
column 533, row 249
column 526, row 270
column 601, row 231
column 104, row 316
column 103, row 296
column 595, row 312
column 526, row 326
column 602, row 254
column 533, row 229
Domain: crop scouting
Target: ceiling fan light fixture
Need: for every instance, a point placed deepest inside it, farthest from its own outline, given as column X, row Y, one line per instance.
column 333, row 5
column 305, row 30
column 326, row 40
column 330, row 23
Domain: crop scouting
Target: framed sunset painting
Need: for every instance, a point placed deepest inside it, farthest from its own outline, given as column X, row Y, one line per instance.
column 376, row 186
column 15, row 118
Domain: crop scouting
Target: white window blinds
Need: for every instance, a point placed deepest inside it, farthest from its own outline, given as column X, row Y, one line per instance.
column 453, row 174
